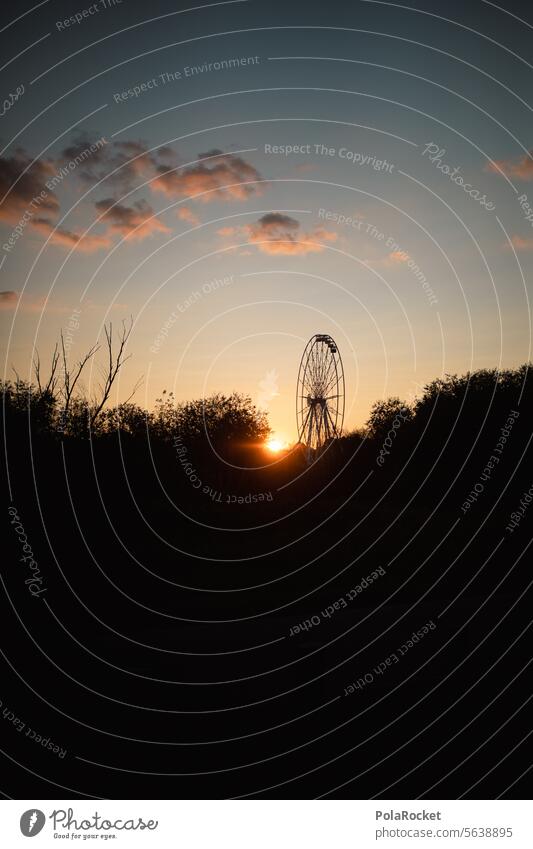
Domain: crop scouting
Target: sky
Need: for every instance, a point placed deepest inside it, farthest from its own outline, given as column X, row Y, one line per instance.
column 240, row 176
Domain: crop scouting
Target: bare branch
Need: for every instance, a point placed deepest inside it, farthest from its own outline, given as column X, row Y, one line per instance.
column 70, row 380
column 134, row 390
column 115, row 363
column 37, row 370
column 52, row 380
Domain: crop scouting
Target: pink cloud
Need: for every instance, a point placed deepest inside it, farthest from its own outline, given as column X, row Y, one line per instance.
column 522, row 168
column 23, row 185
column 185, row 213
column 216, row 177
column 8, row 300
column 391, row 260
column 521, row 244
column 136, row 222
column 276, row 233
column 87, row 244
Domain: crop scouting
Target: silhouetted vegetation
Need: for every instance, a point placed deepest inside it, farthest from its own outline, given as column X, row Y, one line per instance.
column 181, row 515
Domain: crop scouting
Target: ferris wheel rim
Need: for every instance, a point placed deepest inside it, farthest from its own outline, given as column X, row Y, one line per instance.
column 320, row 392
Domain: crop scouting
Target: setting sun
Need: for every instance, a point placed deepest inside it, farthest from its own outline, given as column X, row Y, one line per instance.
column 275, row 445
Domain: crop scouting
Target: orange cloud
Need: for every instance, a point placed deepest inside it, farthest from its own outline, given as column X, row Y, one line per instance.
column 228, row 231
column 121, row 163
column 25, row 192
column 67, row 238
column 391, row 260
column 226, row 177
column 185, row 213
column 136, row 222
column 521, row 244
column 8, row 300
column 306, row 168
column 398, row 256
column 276, row 233
column 27, row 303
column 522, row 168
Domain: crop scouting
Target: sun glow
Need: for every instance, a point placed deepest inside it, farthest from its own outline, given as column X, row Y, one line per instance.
column 275, row 445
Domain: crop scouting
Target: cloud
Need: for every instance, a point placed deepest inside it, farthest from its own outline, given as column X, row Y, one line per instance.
column 24, row 302
column 522, row 168
column 67, row 238
column 217, row 177
column 30, row 204
column 121, row 163
column 397, row 257
column 128, row 163
column 24, row 189
column 31, row 304
column 92, row 159
column 227, row 232
column 8, row 300
column 185, row 213
column 276, row 233
column 136, row 222
column 521, row 244
column 306, row 168
column 391, row 260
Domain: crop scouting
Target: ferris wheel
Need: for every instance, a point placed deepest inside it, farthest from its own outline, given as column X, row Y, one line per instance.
column 319, row 394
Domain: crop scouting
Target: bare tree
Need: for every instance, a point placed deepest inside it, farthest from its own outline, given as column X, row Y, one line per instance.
column 114, row 364
column 67, row 382
column 51, row 383
column 70, row 379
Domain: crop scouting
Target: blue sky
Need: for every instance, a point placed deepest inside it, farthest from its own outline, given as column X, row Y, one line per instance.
column 197, row 198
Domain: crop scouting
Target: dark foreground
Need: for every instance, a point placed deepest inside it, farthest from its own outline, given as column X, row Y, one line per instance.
column 358, row 631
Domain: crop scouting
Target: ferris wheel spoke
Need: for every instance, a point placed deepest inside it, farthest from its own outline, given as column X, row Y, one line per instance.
column 322, row 360
column 320, row 393
column 328, row 358
column 305, row 418
column 316, row 369
column 332, row 379
column 308, row 380
column 309, row 440
column 304, row 423
column 333, row 425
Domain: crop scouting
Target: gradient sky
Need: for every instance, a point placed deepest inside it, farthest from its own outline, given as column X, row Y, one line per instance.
column 184, row 192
